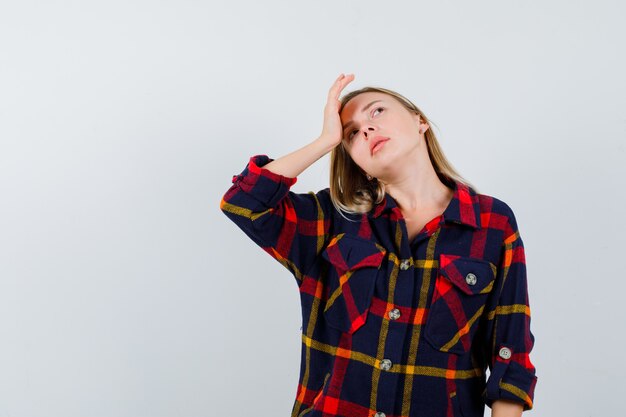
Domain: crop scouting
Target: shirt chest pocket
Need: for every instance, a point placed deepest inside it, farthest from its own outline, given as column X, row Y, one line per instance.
column 354, row 265
column 461, row 290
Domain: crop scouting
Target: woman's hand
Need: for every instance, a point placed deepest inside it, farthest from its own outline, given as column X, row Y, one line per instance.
column 332, row 132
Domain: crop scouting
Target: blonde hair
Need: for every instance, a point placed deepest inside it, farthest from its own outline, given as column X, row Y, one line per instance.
column 352, row 192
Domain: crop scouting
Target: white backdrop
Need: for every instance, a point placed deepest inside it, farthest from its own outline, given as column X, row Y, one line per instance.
column 124, row 290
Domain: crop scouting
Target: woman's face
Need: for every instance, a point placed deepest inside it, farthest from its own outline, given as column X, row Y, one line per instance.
column 371, row 116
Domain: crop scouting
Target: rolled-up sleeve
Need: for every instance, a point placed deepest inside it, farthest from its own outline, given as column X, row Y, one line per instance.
column 290, row 227
column 512, row 374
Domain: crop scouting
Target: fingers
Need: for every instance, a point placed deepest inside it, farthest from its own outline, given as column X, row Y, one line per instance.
column 339, row 84
column 342, row 81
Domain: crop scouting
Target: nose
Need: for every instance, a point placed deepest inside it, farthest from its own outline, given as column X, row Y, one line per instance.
column 369, row 128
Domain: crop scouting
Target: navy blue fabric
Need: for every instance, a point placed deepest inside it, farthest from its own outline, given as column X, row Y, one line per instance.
column 406, row 328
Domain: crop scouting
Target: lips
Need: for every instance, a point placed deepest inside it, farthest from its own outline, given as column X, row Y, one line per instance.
column 375, row 141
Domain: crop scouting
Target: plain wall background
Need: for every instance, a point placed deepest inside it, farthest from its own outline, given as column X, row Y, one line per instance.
column 124, row 290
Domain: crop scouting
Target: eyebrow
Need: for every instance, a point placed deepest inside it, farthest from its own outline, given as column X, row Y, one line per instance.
column 363, row 110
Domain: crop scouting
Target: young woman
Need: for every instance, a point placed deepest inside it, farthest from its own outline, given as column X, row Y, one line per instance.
column 412, row 284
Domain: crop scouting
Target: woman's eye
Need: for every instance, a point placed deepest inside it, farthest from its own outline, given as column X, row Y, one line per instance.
column 374, row 111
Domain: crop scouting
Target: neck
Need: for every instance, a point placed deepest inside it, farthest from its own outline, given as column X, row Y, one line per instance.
column 418, row 188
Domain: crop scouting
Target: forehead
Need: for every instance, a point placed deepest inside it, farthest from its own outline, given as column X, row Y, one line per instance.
column 357, row 103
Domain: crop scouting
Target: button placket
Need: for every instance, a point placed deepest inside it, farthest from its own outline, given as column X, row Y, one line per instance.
column 394, row 314
column 385, row 364
column 405, row 264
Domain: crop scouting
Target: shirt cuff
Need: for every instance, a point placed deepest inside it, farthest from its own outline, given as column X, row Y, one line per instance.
column 264, row 185
column 509, row 380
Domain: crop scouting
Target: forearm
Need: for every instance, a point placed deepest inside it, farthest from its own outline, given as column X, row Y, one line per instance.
column 504, row 408
column 293, row 164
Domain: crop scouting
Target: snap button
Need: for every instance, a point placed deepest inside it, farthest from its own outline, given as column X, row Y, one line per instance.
column 505, row 353
column 380, row 414
column 385, row 364
column 394, row 314
column 470, row 279
column 404, row 265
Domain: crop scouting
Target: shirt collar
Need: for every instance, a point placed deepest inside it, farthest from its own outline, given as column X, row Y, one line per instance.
column 464, row 208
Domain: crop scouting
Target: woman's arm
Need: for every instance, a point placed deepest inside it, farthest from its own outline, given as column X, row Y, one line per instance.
column 293, row 164
column 509, row 340
column 505, row 408
column 291, row 227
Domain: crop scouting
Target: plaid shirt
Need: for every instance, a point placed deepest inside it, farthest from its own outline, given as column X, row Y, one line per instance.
column 390, row 327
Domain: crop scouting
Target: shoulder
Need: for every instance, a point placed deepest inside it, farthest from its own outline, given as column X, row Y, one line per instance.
column 341, row 220
column 323, row 201
column 499, row 212
column 323, row 197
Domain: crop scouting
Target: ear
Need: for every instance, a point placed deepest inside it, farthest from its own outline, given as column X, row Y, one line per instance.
column 422, row 126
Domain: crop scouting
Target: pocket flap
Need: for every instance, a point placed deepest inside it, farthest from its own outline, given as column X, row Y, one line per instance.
column 470, row 275
column 349, row 252
column 355, row 265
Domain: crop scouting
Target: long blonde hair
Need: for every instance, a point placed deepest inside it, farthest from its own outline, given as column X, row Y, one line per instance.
column 351, row 191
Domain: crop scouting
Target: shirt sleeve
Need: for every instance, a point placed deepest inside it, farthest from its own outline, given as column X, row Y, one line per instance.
column 290, row 227
column 512, row 375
